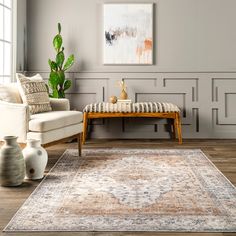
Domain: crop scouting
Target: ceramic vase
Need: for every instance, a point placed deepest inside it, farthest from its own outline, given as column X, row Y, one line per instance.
column 12, row 164
column 36, row 159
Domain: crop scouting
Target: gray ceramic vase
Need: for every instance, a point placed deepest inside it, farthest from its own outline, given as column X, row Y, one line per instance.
column 12, row 164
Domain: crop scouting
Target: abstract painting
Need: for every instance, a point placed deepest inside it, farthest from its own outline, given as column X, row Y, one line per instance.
column 128, row 33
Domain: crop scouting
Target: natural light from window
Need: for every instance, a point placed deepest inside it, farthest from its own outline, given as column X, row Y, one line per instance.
column 5, row 41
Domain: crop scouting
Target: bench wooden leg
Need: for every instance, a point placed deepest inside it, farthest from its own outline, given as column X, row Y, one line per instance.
column 79, row 140
column 178, row 126
column 173, row 128
column 85, row 127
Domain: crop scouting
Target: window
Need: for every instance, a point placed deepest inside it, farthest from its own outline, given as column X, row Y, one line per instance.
column 6, row 29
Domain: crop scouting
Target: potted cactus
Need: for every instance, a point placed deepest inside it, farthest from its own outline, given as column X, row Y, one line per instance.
column 57, row 81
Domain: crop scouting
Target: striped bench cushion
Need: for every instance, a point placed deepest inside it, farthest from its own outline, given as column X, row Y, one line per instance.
column 150, row 107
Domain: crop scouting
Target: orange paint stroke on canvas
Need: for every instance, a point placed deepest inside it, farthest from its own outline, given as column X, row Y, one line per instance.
column 144, row 51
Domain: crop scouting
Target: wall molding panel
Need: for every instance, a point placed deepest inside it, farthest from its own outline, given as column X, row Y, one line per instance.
column 207, row 102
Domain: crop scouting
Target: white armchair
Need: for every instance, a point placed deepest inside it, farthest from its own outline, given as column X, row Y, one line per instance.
column 49, row 127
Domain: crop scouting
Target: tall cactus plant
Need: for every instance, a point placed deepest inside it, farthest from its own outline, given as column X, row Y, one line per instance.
column 57, row 81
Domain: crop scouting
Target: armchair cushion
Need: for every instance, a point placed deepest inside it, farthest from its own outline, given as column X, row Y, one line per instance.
column 61, row 104
column 43, row 122
column 34, row 93
column 56, row 134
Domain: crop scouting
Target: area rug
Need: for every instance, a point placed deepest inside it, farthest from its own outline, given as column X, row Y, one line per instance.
column 130, row 190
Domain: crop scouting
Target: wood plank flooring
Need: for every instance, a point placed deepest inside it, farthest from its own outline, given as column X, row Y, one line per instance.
column 221, row 152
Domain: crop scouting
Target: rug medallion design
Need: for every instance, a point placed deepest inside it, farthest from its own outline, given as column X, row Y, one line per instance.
column 130, row 190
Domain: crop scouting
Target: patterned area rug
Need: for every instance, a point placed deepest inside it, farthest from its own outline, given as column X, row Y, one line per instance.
column 130, row 190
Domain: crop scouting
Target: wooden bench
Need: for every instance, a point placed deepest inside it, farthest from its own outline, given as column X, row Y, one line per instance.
column 106, row 110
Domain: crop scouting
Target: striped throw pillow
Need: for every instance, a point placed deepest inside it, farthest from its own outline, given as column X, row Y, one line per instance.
column 34, row 93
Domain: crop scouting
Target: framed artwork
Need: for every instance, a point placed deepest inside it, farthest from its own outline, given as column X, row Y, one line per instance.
column 128, row 33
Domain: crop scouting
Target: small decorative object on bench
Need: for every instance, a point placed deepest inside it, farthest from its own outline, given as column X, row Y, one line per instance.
column 140, row 109
column 123, row 94
column 113, row 99
column 126, row 101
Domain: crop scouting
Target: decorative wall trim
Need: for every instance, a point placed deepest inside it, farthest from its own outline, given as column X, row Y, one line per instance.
column 206, row 100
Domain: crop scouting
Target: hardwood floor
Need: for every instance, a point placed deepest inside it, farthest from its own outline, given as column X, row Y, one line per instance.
column 221, row 152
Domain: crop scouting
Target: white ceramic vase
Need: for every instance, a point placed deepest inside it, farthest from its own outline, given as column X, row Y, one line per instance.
column 36, row 159
column 12, row 165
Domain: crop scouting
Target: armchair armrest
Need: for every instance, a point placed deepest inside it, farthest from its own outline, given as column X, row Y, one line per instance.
column 61, row 104
column 14, row 120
